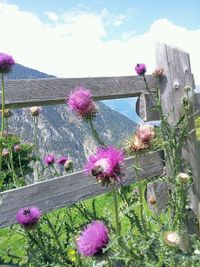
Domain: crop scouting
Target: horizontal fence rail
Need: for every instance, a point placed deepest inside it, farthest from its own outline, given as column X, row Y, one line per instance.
column 67, row 190
column 39, row 92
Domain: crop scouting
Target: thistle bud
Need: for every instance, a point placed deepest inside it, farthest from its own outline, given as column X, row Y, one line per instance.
column 5, row 152
column 152, row 200
column 7, row 113
column 17, row 148
column 172, row 239
column 158, row 72
column 68, row 166
column 187, row 89
column 35, row 111
column 183, row 177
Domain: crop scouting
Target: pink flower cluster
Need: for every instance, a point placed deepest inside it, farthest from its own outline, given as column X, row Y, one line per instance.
column 65, row 161
column 106, row 165
column 80, row 101
column 93, row 239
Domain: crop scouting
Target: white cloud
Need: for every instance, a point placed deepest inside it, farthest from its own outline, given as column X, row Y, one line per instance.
column 51, row 15
column 118, row 20
column 75, row 47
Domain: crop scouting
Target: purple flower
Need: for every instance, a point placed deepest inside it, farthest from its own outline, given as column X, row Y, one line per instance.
column 28, row 216
column 49, row 159
column 140, row 69
column 6, row 62
column 62, row 160
column 105, row 165
column 80, row 101
column 93, row 239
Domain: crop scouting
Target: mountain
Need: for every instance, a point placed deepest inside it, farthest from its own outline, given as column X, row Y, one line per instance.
column 61, row 132
column 20, row 72
column 125, row 106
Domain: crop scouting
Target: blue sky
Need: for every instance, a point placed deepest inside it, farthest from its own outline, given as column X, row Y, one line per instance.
column 88, row 38
column 141, row 13
column 70, row 38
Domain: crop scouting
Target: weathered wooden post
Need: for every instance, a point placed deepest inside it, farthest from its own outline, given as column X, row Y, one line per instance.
column 177, row 75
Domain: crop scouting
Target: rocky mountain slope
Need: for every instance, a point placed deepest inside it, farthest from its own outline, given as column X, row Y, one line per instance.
column 60, row 132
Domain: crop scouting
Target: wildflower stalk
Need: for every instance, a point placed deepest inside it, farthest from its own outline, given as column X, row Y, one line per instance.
column 145, row 81
column 2, row 117
column 54, row 171
column 137, row 172
column 20, row 165
column 62, row 250
column 199, row 216
column 95, row 133
column 133, row 218
column 35, row 120
column 118, row 226
column 39, row 242
column 12, row 167
column 35, row 123
column 6, row 124
column 2, row 104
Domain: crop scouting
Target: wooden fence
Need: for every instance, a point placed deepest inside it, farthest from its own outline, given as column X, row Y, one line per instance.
column 66, row 190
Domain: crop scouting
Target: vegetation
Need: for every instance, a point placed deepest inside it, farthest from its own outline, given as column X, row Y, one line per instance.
column 122, row 228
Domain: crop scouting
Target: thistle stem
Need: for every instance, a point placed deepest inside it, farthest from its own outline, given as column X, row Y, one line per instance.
column 38, row 241
column 2, row 104
column 2, row 118
column 118, row 228
column 20, row 165
column 140, row 194
column 95, row 133
column 62, row 249
column 35, row 122
column 12, row 167
column 145, row 81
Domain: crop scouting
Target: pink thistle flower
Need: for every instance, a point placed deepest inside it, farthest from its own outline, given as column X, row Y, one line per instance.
column 49, row 159
column 80, row 101
column 106, row 165
column 93, row 239
column 62, row 160
column 140, row 69
column 28, row 216
column 145, row 133
column 6, row 62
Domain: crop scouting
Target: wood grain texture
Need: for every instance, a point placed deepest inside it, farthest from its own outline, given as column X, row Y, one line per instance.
column 66, row 190
column 196, row 102
column 145, row 106
column 23, row 93
column 177, row 69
